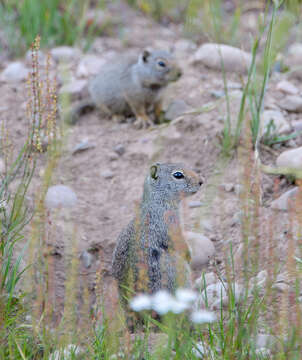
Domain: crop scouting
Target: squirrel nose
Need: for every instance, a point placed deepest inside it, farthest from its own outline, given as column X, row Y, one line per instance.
column 201, row 181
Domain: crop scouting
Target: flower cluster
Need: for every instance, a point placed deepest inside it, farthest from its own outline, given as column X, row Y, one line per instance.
column 163, row 302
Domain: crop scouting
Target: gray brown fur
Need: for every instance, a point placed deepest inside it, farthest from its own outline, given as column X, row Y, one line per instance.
column 152, row 241
column 131, row 86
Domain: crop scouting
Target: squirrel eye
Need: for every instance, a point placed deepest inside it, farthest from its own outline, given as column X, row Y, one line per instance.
column 161, row 63
column 178, row 175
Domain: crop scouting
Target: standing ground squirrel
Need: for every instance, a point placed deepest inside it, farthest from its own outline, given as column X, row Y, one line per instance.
column 131, row 86
column 151, row 253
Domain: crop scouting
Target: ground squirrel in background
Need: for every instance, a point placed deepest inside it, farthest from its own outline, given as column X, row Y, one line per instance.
column 151, row 252
column 130, row 87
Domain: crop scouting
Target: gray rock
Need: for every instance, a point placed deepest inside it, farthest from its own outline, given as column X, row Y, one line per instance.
column 59, row 196
column 89, row 65
column 291, row 103
column 74, row 89
column 107, row 174
column 290, row 159
column 284, row 201
column 280, row 123
column 217, row 294
column 65, row 53
column 82, row 146
column 234, row 59
column 119, row 149
column 202, row 249
column 195, row 204
column 87, row 259
column 287, row 87
column 14, row 72
column 176, row 109
column 2, row 166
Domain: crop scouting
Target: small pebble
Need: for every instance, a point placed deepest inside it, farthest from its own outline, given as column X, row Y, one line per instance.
column 195, row 204
column 107, row 174
column 119, row 149
column 87, row 259
column 82, row 146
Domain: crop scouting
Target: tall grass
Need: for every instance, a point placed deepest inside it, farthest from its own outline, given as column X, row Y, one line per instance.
column 57, row 22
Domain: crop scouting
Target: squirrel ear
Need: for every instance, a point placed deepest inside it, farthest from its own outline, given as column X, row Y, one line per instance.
column 153, row 172
column 146, row 53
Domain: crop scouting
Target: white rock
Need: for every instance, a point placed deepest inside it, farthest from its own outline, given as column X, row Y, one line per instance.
column 264, row 340
column 297, row 125
column 67, row 353
column 2, row 166
column 234, row 59
column 89, row 65
column 75, row 88
column 295, row 49
column 291, row 103
column 263, row 353
column 65, row 53
column 41, row 58
column 280, row 123
column 14, row 72
column 216, row 294
column 60, row 196
column 284, row 201
column 199, row 351
column 207, row 279
column 290, row 159
column 202, row 249
column 287, row 87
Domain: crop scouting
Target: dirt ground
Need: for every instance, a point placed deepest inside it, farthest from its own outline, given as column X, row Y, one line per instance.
column 106, row 203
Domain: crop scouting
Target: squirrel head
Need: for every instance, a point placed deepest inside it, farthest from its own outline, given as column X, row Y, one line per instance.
column 157, row 68
column 171, row 182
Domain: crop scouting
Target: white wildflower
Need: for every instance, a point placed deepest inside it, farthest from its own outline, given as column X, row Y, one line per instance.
column 162, row 302
column 178, row 307
column 203, row 316
column 186, row 295
column 141, row 302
